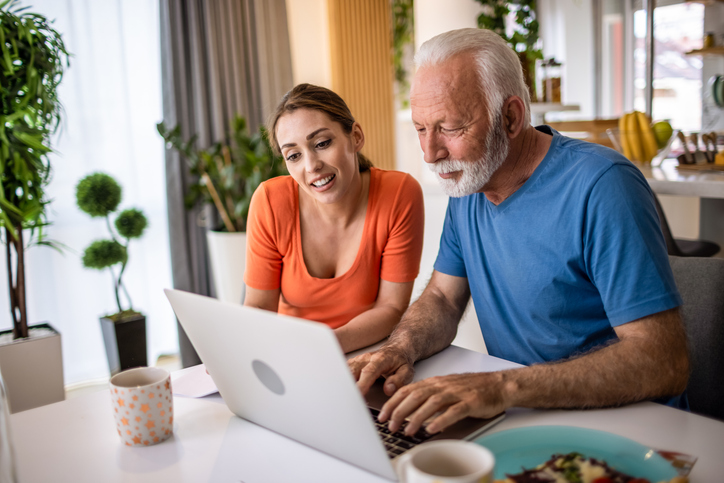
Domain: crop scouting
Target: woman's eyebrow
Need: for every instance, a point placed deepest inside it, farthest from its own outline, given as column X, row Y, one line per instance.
column 309, row 136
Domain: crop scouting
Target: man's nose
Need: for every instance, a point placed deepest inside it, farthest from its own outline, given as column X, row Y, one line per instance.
column 433, row 148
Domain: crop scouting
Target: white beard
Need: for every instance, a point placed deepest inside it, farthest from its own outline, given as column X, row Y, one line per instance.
column 475, row 174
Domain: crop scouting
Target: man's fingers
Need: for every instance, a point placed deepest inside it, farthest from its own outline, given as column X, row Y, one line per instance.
column 401, row 377
column 356, row 365
column 404, row 403
column 377, row 365
column 450, row 416
column 367, row 376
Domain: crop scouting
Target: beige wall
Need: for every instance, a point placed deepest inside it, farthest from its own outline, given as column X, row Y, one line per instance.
column 433, row 17
column 346, row 46
column 309, row 40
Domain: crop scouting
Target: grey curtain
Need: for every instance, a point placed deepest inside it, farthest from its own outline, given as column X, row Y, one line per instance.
column 220, row 58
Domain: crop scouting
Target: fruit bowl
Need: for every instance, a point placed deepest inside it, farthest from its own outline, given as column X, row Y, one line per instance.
column 614, row 135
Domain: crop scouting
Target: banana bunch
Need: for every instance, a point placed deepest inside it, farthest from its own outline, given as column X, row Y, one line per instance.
column 637, row 138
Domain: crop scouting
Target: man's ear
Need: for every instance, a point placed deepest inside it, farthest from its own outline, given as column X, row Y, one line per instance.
column 513, row 116
column 358, row 137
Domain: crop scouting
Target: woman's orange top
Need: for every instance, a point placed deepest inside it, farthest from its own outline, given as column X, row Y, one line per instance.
column 390, row 249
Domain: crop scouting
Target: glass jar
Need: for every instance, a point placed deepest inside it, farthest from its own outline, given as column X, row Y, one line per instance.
column 709, row 40
column 552, row 80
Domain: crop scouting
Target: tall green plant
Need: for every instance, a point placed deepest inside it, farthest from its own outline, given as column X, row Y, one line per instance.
column 524, row 39
column 227, row 174
column 525, row 34
column 403, row 35
column 32, row 61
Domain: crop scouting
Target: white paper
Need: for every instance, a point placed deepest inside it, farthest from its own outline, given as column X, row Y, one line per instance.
column 195, row 382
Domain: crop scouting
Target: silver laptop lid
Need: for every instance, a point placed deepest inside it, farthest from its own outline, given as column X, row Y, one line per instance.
column 285, row 374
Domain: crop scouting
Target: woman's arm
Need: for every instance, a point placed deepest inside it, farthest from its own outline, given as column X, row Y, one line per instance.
column 262, row 299
column 376, row 323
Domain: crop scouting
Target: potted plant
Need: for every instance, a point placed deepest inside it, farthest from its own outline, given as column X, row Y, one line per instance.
column 227, row 175
column 124, row 332
column 32, row 61
column 524, row 39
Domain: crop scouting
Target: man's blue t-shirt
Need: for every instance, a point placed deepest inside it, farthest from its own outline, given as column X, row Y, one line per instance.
column 576, row 251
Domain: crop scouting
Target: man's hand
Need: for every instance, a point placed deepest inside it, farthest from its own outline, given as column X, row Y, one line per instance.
column 389, row 362
column 445, row 400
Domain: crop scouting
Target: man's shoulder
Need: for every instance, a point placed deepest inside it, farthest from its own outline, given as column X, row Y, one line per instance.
column 582, row 161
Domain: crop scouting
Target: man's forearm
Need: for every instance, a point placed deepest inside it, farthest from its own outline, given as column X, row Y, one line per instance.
column 650, row 361
column 428, row 326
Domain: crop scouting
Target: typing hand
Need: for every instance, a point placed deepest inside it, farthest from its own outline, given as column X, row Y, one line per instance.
column 388, row 362
column 444, row 400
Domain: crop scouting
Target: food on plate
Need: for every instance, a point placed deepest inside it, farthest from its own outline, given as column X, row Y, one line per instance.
column 576, row 468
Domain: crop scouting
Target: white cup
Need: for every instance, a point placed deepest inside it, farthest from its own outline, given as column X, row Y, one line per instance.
column 142, row 405
column 446, row 461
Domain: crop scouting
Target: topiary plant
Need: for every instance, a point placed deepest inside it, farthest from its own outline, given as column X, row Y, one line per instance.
column 99, row 195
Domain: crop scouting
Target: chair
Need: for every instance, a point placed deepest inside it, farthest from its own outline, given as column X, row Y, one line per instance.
column 683, row 248
column 593, row 130
column 701, row 284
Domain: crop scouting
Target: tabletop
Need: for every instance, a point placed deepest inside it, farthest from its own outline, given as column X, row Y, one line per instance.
column 667, row 179
column 75, row 440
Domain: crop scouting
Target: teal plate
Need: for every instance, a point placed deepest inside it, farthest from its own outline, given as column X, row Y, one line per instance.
column 520, row 448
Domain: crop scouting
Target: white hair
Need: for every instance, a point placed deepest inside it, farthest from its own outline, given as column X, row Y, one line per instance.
column 499, row 70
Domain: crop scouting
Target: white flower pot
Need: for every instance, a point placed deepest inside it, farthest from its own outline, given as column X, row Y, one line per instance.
column 227, row 252
column 32, row 369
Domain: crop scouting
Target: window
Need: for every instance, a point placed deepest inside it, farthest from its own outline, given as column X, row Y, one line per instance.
column 111, row 96
column 678, row 28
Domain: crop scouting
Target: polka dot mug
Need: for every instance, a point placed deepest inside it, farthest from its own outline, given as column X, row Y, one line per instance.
column 142, row 405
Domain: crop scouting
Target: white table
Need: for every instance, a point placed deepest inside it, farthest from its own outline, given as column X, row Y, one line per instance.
column 75, row 440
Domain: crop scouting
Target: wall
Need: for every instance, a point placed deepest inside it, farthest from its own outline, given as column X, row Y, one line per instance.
column 309, row 41
column 345, row 46
column 566, row 32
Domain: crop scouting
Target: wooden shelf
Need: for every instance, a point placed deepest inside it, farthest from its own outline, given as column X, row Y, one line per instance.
column 709, row 51
column 705, row 2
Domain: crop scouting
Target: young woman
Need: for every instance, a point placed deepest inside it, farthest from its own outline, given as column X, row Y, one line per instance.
column 338, row 241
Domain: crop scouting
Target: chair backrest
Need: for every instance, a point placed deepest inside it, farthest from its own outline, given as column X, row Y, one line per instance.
column 671, row 245
column 592, row 130
column 701, row 284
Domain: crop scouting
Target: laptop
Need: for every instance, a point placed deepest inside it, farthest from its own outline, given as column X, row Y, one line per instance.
column 290, row 376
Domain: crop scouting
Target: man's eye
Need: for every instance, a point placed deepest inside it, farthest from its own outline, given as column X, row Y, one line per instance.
column 323, row 144
column 292, row 157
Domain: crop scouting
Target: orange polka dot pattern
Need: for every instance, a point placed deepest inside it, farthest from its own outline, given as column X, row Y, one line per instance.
column 144, row 414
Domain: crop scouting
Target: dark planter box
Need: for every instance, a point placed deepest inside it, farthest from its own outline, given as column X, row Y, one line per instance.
column 125, row 343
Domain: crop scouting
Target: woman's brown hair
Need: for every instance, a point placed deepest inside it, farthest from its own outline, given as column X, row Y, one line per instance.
column 308, row 96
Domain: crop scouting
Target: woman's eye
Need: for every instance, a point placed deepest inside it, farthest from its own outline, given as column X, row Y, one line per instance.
column 323, row 144
column 292, row 157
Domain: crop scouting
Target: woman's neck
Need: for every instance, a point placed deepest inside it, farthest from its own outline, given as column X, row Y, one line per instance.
column 344, row 212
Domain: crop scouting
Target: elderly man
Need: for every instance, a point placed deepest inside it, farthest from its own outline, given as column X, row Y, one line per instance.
column 557, row 241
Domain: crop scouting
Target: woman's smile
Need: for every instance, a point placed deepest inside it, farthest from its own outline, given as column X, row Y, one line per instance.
column 320, row 156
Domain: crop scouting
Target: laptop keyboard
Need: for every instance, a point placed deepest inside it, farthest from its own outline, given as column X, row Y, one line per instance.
column 397, row 443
